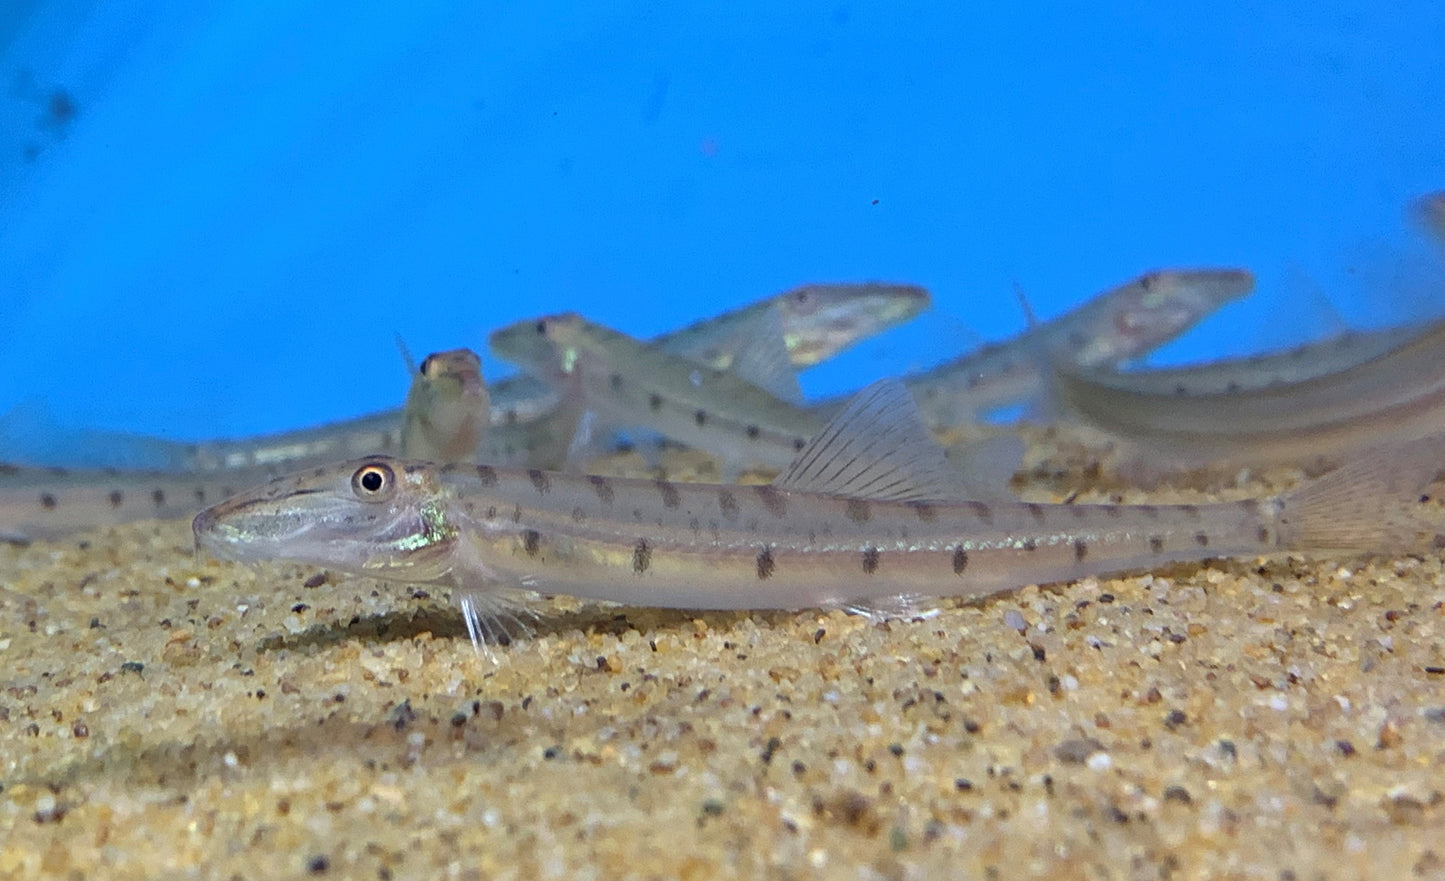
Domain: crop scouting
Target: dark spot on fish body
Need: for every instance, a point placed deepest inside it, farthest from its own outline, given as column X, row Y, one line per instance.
column 1190, row 511
column 1180, row 390
column 1201, row 539
column 870, row 560
column 859, row 511
column 799, row 443
column 486, row 475
column 728, row 504
column 700, row 417
column 117, row 498
column 531, row 542
column 654, row 402
column 981, row 511
column 641, row 556
column 158, row 497
column 615, row 380
column 1030, row 545
column 765, row 563
column 753, row 431
column 491, row 512
column 578, row 515
column 960, row 560
column 1156, row 544
column 516, row 513
column 1036, row 511
column 772, row 499
column 47, row 501
column 1081, row 550
column 671, row 498
column 9, row 470
column 1263, row 535
column 924, row 511
column 540, row 480
column 602, row 487
column 200, row 497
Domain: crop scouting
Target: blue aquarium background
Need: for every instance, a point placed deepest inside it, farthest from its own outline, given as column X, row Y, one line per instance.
column 215, row 217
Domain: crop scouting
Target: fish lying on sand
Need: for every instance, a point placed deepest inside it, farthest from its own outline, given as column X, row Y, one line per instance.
column 867, row 518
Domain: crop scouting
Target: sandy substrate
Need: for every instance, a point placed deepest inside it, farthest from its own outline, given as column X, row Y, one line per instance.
column 163, row 715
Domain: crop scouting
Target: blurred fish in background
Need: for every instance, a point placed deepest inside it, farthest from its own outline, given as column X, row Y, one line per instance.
column 215, row 216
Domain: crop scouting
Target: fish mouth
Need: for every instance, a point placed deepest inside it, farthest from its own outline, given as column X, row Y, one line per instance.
column 203, row 525
column 225, row 529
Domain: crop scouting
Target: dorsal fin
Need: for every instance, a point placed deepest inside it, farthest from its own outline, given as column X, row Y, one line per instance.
column 876, row 448
column 759, row 354
column 1027, row 307
column 986, row 467
column 763, row 358
column 411, row 368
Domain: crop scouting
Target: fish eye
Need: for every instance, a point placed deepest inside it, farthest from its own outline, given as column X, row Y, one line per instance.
column 373, row 482
column 542, row 327
column 426, row 365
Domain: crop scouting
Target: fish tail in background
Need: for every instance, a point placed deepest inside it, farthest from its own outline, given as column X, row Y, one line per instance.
column 1430, row 212
column 38, row 504
column 30, row 433
column 1380, row 502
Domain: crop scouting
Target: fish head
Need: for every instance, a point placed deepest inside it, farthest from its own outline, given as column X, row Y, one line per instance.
column 461, row 366
column 378, row 516
column 540, row 345
column 1155, row 308
column 820, row 320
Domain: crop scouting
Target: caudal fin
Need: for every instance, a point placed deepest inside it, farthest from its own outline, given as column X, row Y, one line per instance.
column 1384, row 500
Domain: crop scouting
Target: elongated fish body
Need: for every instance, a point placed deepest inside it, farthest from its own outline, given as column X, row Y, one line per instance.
column 520, row 399
column 1253, row 372
column 817, row 321
column 530, row 424
column 1116, row 326
column 1315, row 423
column 636, row 383
column 853, row 523
column 511, row 442
column 447, row 409
column 373, row 433
column 48, row 503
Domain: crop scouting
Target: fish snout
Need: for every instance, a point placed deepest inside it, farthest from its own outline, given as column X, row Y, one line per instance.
column 202, row 526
